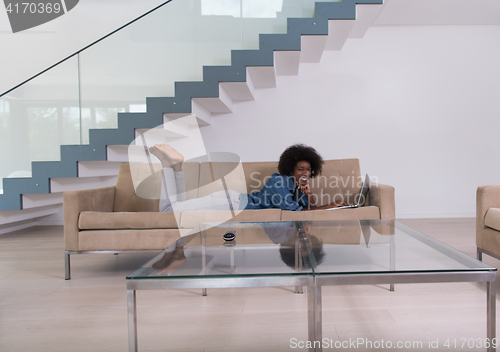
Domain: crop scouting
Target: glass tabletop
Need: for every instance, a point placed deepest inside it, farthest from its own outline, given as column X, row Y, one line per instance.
column 257, row 249
column 304, row 248
column 383, row 246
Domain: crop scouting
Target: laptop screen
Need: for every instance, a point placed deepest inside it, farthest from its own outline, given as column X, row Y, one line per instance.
column 363, row 193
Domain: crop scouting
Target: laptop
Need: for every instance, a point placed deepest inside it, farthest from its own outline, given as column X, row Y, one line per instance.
column 361, row 196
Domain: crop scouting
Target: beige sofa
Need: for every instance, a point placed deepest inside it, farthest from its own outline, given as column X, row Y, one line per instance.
column 115, row 219
column 488, row 221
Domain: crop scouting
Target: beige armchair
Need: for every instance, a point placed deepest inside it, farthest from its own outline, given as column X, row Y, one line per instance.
column 488, row 221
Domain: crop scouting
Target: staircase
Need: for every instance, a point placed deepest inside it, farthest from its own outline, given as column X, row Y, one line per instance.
column 96, row 164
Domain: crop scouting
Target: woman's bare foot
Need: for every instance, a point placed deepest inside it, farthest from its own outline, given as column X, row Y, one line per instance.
column 168, row 156
column 160, row 155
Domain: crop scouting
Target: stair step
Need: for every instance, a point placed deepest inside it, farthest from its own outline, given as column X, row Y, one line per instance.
column 365, row 17
column 16, row 216
column 203, row 115
column 240, row 91
column 286, row 63
column 118, row 153
column 72, row 184
column 162, row 131
column 223, row 104
column 31, row 201
column 202, row 120
column 98, row 168
column 263, row 76
column 338, row 33
column 312, row 47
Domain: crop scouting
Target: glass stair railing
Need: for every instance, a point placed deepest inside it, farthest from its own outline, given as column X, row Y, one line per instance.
column 169, row 62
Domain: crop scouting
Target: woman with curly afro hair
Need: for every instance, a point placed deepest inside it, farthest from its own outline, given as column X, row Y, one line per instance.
column 300, row 152
column 286, row 190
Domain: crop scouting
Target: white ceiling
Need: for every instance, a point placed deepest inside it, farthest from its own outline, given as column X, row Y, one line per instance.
column 439, row 12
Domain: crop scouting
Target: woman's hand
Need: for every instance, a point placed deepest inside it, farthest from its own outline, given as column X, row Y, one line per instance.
column 304, row 188
column 339, row 204
column 328, row 206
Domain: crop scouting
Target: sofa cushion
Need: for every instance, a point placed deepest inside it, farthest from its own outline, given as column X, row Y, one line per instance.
column 340, row 180
column 258, row 173
column 92, row 220
column 492, row 218
column 255, row 175
column 191, row 219
column 362, row 213
column 148, row 180
column 101, row 240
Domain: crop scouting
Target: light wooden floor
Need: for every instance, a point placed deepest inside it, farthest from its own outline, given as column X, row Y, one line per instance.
column 40, row 311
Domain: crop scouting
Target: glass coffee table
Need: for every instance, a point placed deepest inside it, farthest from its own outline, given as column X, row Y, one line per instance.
column 307, row 254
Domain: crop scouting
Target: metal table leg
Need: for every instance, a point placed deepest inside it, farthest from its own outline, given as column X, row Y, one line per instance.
column 203, row 259
column 298, row 264
column 314, row 318
column 393, row 259
column 491, row 314
column 67, row 266
column 132, row 321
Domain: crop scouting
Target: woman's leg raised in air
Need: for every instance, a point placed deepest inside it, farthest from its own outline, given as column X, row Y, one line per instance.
column 174, row 199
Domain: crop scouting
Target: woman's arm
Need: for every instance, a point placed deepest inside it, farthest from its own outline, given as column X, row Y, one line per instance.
column 278, row 193
column 328, row 206
column 306, row 189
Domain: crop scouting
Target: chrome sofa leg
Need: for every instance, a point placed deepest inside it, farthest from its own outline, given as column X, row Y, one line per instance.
column 67, row 267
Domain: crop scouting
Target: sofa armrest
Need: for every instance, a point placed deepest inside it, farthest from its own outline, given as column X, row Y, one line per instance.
column 382, row 196
column 74, row 202
column 486, row 197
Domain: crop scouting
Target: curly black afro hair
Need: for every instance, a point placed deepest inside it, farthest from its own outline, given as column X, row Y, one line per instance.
column 300, row 152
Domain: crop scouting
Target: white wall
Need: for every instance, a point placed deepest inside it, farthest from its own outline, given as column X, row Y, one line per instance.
column 418, row 105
